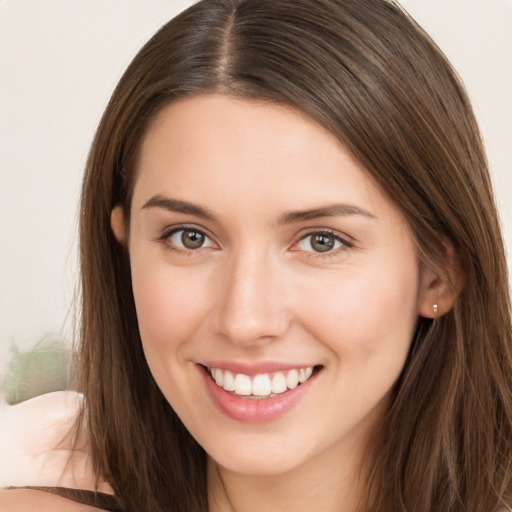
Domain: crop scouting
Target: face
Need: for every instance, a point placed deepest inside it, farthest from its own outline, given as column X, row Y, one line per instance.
column 277, row 288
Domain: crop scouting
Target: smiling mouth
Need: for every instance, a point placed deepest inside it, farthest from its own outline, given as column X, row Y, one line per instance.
column 264, row 385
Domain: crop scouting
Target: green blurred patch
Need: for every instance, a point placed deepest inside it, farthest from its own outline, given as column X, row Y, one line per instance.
column 47, row 367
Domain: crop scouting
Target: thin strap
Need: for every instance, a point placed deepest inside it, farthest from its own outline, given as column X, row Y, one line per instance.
column 94, row 499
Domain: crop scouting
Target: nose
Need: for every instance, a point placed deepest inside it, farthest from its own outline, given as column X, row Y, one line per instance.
column 252, row 306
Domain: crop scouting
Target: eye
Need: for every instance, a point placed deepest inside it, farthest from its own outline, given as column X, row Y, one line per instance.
column 188, row 239
column 321, row 242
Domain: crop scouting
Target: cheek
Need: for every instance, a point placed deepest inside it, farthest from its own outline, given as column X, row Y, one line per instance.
column 366, row 312
column 170, row 304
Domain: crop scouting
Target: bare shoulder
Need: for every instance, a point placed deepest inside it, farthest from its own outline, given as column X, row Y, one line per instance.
column 39, row 446
column 21, row 500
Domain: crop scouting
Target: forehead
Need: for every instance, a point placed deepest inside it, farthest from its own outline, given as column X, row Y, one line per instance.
column 233, row 153
column 217, row 121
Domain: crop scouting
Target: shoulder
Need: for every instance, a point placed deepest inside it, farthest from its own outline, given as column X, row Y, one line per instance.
column 21, row 500
column 37, row 444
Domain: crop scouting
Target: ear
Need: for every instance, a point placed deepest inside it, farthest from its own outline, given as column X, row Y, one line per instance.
column 438, row 291
column 117, row 223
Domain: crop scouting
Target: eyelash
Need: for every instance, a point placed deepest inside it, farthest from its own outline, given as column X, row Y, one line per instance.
column 345, row 244
column 165, row 239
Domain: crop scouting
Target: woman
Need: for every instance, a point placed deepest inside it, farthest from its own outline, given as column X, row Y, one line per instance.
column 293, row 281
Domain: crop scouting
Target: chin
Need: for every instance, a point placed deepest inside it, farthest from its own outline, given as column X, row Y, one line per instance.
column 259, row 456
column 257, row 466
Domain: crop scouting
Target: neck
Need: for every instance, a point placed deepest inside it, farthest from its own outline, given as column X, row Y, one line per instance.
column 328, row 483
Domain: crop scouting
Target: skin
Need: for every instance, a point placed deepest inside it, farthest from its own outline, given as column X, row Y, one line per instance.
column 21, row 500
column 42, row 451
column 257, row 290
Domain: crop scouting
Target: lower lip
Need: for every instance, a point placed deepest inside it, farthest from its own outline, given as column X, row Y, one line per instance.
column 255, row 410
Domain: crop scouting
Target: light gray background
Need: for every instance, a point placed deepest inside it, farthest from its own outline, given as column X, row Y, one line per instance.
column 59, row 61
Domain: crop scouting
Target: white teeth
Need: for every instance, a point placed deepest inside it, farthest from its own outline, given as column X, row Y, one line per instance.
column 242, row 384
column 305, row 373
column 292, row 379
column 261, row 385
column 229, row 381
column 279, row 383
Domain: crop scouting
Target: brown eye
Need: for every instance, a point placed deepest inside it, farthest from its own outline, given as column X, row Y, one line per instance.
column 192, row 239
column 187, row 239
column 322, row 242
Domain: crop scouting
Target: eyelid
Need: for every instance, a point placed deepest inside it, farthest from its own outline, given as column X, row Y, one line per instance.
column 346, row 241
column 167, row 232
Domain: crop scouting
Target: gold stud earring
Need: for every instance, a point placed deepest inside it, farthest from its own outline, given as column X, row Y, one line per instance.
column 435, row 307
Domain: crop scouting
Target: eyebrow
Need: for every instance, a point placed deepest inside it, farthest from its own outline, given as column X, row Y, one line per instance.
column 332, row 210
column 175, row 205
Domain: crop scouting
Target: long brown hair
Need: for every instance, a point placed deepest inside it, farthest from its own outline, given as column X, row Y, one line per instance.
column 369, row 74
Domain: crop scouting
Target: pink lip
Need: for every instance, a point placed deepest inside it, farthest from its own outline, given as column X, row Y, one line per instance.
column 252, row 369
column 260, row 410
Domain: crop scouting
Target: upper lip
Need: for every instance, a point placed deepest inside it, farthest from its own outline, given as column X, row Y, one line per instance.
column 255, row 368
